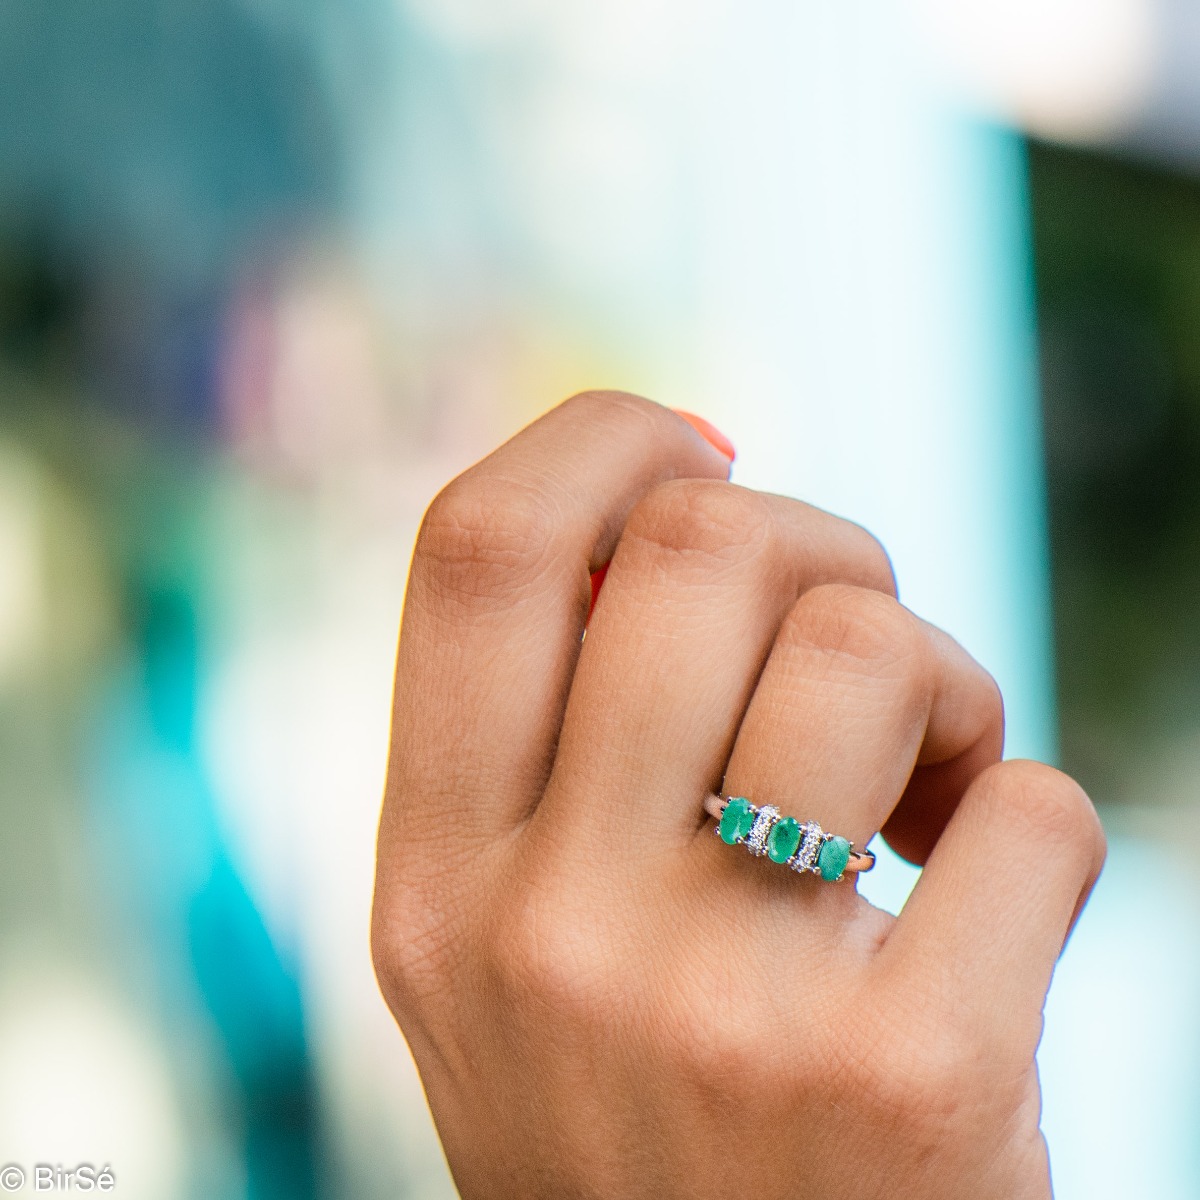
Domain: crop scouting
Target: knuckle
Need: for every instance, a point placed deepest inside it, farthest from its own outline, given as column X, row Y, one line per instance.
column 382, row 961
column 720, row 1046
column 483, row 537
column 860, row 624
column 704, row 523
column 1049, row 804
column 728, row 1042
column 725, row 1058
column 611, row 410
column 877, row 571
column 388, row 969
column 547, row 955
column 921, row 1079
column 407, row 951
column 995, row 701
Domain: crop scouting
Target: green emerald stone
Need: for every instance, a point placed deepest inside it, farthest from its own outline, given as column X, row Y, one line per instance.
column 832, row 860
column 783, row 840
column 736, row 821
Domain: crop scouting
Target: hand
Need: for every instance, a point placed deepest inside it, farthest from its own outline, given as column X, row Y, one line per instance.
column 604, row 999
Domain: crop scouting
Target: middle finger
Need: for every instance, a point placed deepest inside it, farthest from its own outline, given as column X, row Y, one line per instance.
column 857, row 695
column 702, row 577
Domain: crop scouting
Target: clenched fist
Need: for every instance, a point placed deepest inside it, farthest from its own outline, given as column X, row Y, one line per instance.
column 603, row 998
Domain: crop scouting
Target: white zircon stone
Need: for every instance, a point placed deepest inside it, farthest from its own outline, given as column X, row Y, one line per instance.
column 757, row 841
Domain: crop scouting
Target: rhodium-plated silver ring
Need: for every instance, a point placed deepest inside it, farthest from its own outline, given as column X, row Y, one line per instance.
column 802, row 845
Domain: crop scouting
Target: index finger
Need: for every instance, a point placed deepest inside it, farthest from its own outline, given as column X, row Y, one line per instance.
column 496, row 603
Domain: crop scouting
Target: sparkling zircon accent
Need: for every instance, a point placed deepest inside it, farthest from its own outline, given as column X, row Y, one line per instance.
column 757, row 841
column 805, row 859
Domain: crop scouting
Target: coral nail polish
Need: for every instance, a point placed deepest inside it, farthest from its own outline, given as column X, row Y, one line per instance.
column 597, row 584
column 715, row 438
column 709, row 432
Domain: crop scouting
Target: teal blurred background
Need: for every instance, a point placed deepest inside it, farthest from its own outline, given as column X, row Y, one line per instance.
column 271, row 274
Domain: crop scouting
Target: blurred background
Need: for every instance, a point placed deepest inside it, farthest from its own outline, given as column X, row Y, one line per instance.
column 271, row 273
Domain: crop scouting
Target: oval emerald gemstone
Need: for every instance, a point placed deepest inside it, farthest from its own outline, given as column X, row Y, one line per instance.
column 784, row 839
column 736, row 821
column 832, row 860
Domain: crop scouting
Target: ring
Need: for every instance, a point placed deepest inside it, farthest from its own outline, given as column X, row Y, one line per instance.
column 802, row 845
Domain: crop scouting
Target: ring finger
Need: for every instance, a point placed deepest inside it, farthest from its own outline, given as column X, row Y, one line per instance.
column 702, row 577
column 857, row 696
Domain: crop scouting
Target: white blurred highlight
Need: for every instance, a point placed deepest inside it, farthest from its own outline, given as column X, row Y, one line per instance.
column 1065, row 69
column 1118, row 1062
column 79, row 1082
column 22, row 577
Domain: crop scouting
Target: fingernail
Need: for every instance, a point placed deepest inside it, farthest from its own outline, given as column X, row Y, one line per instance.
column 597, row 584
column 709, row 432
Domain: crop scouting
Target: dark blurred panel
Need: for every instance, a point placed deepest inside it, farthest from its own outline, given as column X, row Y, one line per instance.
column 1117, row 250
column 181, row 126
column 149, row 150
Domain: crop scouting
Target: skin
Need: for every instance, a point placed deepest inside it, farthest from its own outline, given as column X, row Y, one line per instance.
column 605, row 1000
